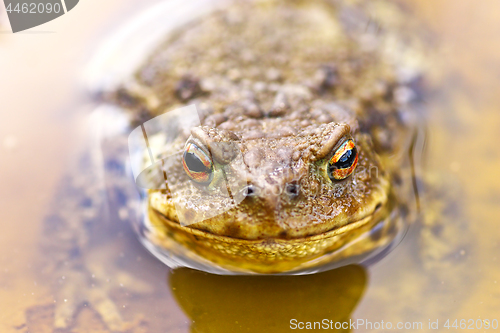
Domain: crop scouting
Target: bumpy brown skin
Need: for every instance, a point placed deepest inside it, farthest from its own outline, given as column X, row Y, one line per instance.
column 280, row 84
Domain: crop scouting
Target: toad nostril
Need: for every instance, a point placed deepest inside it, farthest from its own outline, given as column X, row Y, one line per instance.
column 378, row 206
column 250, row 191
column 292, row 190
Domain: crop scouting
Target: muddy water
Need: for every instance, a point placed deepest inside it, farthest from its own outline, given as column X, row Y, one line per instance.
column 42, row 107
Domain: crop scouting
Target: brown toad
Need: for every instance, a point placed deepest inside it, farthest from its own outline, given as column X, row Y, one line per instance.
column 301, row 116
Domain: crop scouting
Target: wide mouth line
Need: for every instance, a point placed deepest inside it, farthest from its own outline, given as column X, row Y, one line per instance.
column 326, row 234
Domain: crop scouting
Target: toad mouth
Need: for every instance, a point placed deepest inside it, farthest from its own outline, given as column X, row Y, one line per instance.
column 373, row 216
column 271, row 255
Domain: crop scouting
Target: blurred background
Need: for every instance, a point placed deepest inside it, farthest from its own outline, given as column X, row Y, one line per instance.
column 43, row 104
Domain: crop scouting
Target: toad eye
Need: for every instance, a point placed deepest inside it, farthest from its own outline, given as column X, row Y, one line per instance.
column 197, row 164
column 343, row 162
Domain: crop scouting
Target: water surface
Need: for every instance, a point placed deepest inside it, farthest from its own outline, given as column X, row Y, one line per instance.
column 43, row 107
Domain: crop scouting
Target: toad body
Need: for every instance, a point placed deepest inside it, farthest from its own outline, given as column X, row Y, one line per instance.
column 298, row 105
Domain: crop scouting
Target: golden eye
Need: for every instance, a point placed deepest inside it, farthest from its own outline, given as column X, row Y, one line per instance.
column 343, row 162
column 197, row 164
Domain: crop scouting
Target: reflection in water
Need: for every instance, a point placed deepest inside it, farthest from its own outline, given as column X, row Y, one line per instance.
column 219, row 303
